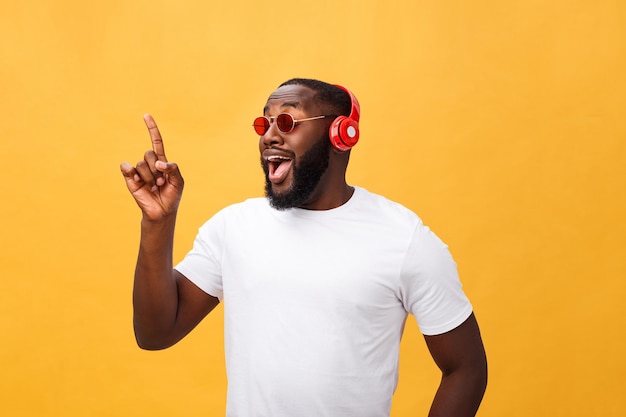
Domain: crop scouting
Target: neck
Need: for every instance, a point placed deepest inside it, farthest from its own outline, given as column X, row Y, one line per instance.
column 325, row 199
column 333, row 190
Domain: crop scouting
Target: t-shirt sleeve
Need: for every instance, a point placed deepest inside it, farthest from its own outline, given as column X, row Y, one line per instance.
column 430, row 285
column 202, row 264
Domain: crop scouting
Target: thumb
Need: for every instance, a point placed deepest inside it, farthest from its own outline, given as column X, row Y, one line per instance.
column 172, row 171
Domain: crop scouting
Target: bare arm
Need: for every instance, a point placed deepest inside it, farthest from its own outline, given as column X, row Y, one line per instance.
column 166, row 305
column 461, row 357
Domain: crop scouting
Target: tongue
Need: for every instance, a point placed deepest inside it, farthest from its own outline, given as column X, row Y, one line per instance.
column 279, row 172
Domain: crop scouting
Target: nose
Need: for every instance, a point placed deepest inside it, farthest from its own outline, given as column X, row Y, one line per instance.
column 271, row 137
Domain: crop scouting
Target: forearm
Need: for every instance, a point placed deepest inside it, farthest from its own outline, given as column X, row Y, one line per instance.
column 155, row 293
column 460, row 393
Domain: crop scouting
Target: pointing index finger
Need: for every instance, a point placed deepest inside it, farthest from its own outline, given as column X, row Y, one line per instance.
column 155, row 137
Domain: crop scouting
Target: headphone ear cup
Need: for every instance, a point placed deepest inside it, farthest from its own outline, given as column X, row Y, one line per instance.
column 343, row 133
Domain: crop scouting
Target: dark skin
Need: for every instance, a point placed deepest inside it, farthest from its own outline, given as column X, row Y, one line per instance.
column 332, row 191
column 460, row 356
column 167, row 306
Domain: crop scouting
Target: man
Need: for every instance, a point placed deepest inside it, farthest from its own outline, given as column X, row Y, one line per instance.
column 317, row 279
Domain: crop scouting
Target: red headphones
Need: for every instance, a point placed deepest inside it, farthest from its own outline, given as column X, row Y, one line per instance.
column 344, row 131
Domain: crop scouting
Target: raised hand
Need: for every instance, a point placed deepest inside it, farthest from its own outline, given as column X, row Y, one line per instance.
column 155, row 183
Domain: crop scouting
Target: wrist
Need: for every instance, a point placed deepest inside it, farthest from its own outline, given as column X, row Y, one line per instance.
column 161, row 227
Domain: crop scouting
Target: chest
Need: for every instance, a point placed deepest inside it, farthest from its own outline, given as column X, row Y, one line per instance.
column 348, row 264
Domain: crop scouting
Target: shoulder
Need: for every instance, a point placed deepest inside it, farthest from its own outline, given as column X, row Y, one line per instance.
column 238, row 212
column 380, row 206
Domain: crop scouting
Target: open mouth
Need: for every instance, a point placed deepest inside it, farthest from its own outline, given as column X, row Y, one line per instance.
column 279, row 167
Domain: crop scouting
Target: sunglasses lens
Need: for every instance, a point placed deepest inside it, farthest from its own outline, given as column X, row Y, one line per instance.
column 285, row 122
column 261, row 125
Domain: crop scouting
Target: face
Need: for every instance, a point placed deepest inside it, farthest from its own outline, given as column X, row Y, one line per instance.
column 294, row 163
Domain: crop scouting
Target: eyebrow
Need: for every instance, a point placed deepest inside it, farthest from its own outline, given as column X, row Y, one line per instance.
column 286, row 104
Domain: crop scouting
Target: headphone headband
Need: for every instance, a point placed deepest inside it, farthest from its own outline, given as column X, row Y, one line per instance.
column 355, row 110
column 344, row 131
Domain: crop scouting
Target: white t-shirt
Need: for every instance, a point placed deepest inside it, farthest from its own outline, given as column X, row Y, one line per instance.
column 315, row 302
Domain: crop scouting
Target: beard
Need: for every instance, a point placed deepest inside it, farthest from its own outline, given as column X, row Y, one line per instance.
column 307, row 173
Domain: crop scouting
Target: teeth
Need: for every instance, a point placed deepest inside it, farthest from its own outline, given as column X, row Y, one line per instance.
column 277, row 157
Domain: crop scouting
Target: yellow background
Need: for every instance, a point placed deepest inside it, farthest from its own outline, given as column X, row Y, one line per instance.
column 501, row 123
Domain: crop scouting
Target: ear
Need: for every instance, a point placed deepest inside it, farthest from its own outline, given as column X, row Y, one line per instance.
column 344, row 131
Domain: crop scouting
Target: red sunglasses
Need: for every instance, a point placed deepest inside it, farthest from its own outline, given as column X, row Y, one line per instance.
column 284, row 121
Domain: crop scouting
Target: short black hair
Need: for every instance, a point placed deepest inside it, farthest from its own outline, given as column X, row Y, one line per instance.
column 332, row 98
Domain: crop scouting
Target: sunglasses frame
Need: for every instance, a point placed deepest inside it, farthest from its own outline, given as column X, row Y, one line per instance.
column 294, row 122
